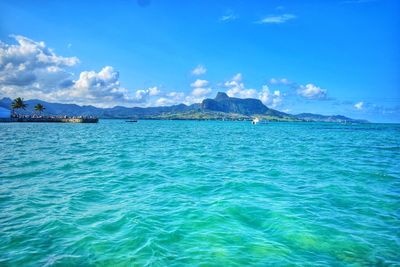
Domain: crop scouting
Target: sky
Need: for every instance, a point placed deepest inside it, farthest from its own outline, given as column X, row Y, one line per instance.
column 326, row 57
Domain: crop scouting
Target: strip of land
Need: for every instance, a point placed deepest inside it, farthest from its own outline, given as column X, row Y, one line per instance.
column 50, row 119
column 222, row 107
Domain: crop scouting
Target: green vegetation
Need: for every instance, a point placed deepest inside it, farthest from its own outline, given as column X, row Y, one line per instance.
column 39, row 108
column 211, row 115
column 18, row 103
column 222, row 107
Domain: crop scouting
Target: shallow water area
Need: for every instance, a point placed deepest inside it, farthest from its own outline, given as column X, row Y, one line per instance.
column 199, row 193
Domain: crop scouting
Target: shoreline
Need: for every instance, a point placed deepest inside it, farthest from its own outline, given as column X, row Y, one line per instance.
column 54, row 120
column 96, row 120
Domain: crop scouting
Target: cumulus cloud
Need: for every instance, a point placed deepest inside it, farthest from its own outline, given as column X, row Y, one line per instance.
column 359, row 105
column 308, row 91
column 168, row 99
column 32, row 70
column 199, row 70
column 311, row 91
column 199, row 83
column 276, row 19
column 143, row 93
column 99, row 88
column 201, row 92
column 273, row 99
column 236, row 88
column 31, row 63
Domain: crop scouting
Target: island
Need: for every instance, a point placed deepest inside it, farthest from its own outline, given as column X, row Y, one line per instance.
column 222, row 107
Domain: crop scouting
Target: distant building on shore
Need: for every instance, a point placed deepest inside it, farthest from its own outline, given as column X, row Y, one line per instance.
column 5, row 113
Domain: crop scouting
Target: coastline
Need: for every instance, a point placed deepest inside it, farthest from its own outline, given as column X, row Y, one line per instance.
column 51, row 119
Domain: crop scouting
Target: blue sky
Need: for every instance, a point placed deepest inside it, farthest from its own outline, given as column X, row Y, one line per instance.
column 327, row 57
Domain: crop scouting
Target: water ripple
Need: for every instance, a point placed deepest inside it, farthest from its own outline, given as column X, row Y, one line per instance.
column 173, row 193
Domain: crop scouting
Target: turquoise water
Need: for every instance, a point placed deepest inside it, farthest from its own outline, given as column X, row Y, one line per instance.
column 188, row 193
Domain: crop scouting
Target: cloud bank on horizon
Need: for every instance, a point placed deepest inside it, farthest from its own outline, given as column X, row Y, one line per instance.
column 31, row 70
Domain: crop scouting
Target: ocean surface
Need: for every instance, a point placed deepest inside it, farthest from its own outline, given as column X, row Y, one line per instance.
column 199, row 193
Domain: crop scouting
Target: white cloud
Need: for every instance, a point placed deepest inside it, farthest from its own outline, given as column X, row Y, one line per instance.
column 190, row 99
column 270, row 99
column 32, row 54
column 308, row 91
column 199, row 70
column 235, row 82
column 171, row 98
column 143, row 95
column 199, row 83
column 236, row 88
column 229, row 16
column 242, row 93
column 154, row 91
column 197, row 95
column 359, row 105
column 276, row 19
column 165, row 101
column 98, row 88
column 311, row 91
column 226, row 18
column 29, row 62
column 238, row 77
column 201, row 92
column 176, row 95
column 276, row 81
column 30, row 69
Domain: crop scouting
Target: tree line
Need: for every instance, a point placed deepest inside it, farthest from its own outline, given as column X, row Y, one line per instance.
column 18, row 103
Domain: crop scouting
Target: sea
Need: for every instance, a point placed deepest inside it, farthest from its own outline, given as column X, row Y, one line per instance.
column 199, row 193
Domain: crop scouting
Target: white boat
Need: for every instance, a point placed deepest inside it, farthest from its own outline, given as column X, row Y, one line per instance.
column 255, row 120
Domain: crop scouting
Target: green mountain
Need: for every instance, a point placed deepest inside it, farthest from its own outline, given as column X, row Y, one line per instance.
column 330, row 118
column 222, row 107
column 223, row 103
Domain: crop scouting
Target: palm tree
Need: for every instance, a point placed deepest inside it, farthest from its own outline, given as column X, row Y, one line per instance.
column 17, row 104
column 39, row 108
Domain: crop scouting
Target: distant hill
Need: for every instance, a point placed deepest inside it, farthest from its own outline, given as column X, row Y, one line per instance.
column 115, row 112
column 248, row 106
column 222, row 107
column 323, row 118
column 223, row 103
